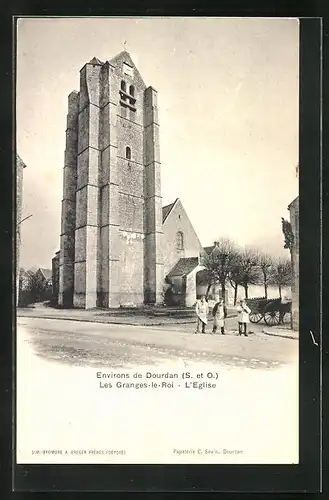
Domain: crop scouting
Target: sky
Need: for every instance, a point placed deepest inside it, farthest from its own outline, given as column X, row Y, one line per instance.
column 228, row 97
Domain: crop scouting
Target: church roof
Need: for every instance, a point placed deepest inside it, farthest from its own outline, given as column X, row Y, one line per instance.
column 47, row 273
column 167, row 209
column 294, row 202
column 124, row 56
column 121, row 54
column 19, row 161
column 184, row 266
column 96, row 61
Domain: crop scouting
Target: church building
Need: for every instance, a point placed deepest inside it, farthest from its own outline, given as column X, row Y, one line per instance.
column 118, row 245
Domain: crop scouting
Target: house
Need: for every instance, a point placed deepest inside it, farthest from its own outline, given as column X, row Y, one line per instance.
column 182, row 279
column 45, row 277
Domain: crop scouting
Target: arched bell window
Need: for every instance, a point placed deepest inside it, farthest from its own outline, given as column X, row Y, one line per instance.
column 128, row 153
column 132, row 90
column 123, row 86
column 180, row 240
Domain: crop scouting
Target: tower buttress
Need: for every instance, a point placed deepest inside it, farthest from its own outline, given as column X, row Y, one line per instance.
column 87, row 194
column 153, row 256
column 67, row 238
column 109, row 269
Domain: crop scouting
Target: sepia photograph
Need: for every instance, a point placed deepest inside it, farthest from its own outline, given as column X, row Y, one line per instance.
column 157, row 248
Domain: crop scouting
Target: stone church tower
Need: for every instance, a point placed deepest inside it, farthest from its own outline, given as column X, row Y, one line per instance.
column 111, row 228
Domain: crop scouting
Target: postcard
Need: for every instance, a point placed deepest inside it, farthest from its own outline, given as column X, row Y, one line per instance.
column 157, row 240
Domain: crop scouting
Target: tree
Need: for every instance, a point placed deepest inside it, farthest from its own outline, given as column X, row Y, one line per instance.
column 21, row 279
column 24, row 288
column 265, row 264
column 288, row 234
column 35, row 286
column 209, row 275
column 281, row 274
column 235, row 274
column 249, row 268
column 219, row 262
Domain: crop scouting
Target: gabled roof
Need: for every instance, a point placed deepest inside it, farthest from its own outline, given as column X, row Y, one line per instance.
column 184, row 266
column 167, row 209
column 124, row 56
column 19, row 161
column 294, row 202
column 208, row 250
column 96, row 61
column 47, row 273
column 56, row 257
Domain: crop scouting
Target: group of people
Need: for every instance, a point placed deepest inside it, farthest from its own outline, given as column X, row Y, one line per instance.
column 219, row 313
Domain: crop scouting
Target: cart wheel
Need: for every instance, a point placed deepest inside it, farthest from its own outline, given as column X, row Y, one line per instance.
column 286, row 318
column 272, row 318
column 255, row 317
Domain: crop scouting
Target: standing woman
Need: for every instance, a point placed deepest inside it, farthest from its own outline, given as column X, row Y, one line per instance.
column 219, row 313
column 202, row 310
column 243, row 317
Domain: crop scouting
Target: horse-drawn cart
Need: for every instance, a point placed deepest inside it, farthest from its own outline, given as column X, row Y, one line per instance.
column 273, row 311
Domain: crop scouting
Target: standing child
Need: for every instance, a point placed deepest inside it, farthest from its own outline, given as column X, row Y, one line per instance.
column 243, row 317
column 202, row 310
column 219, row 313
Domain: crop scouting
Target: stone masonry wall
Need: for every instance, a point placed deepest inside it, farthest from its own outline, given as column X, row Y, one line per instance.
column 130, row 203
column 68, row 220
column 109, row 243
column 153, row 244
column 86, row 268
column 111, row 209
column 176, row 221
column 294, row 220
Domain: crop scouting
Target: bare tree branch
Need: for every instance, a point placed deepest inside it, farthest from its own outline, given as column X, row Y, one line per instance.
column 249, row 268
column 220, row 261
column 266, row 265
column 281, row 274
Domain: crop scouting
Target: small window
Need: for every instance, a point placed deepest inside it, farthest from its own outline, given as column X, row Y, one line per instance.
column 123, row 86
column 128, row 153
column 180, row 240
column 132, row 90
